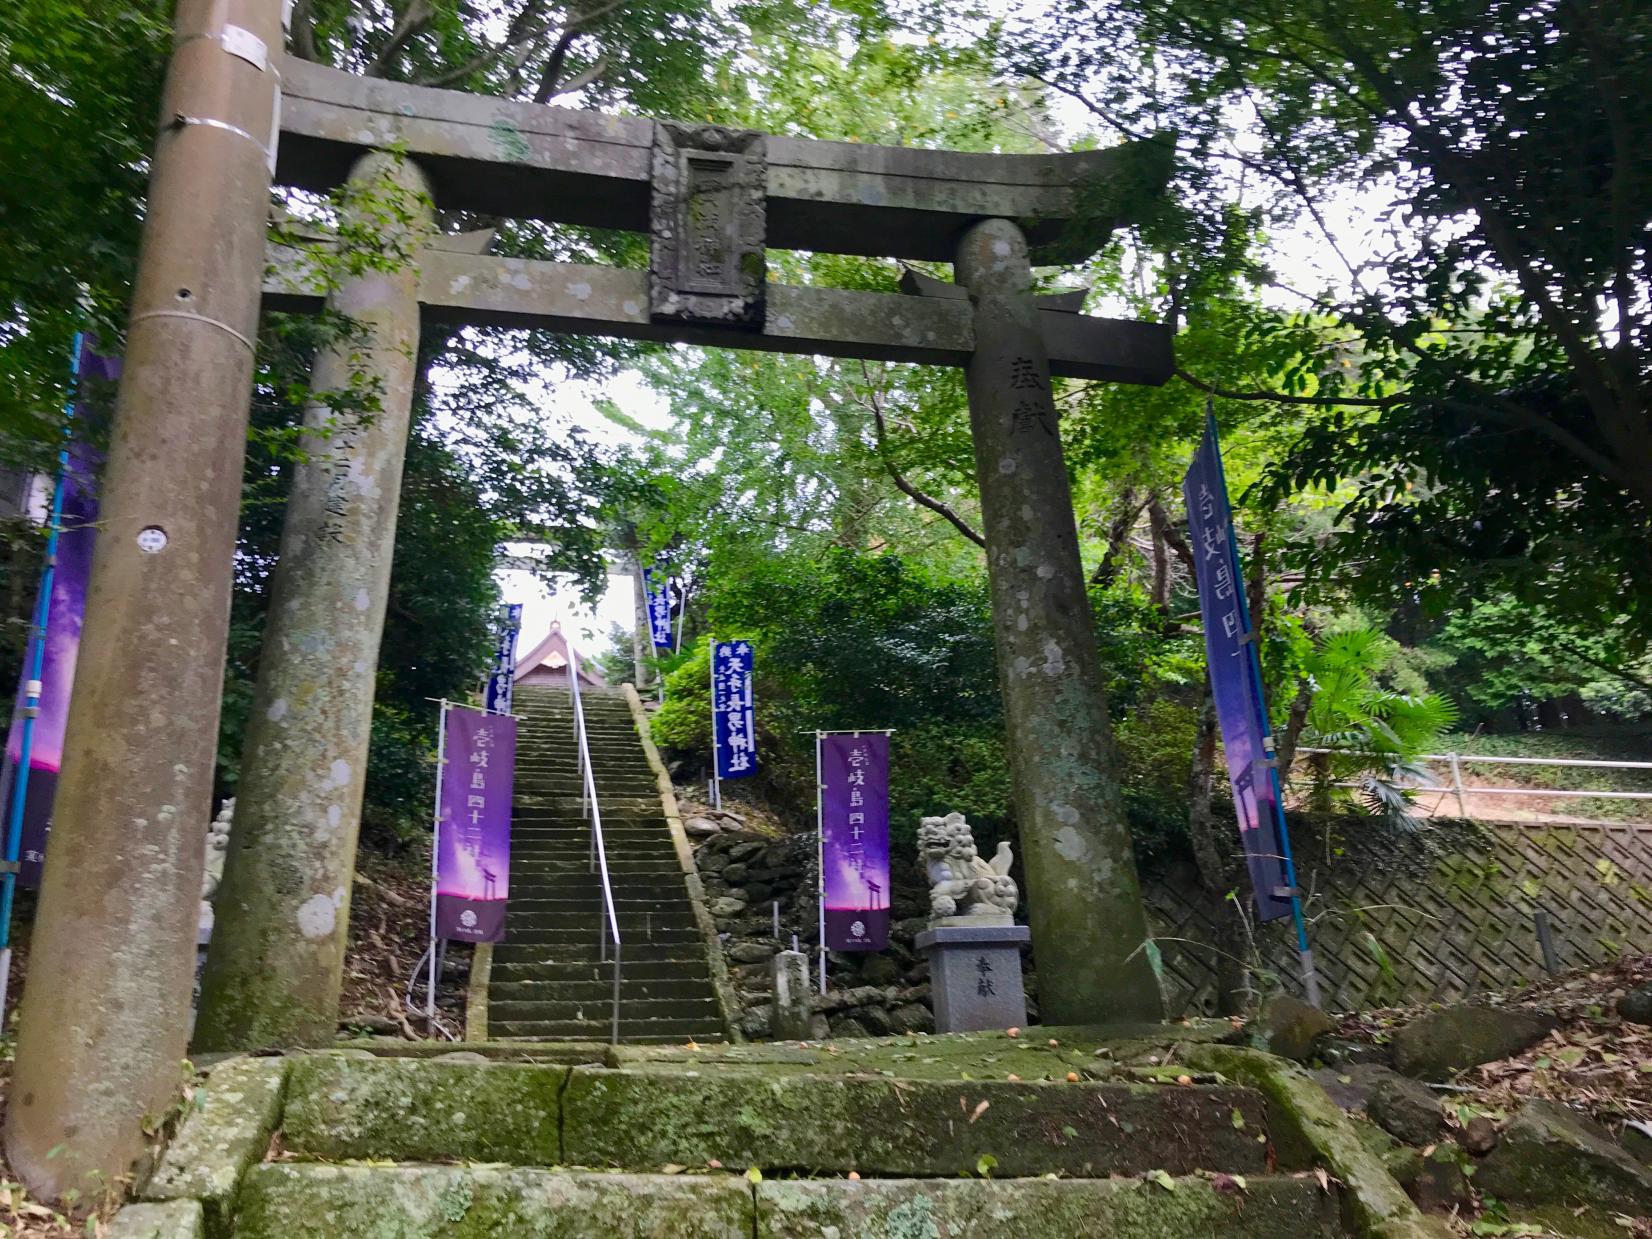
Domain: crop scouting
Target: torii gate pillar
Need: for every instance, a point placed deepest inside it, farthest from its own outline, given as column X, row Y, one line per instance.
column 1084, row 898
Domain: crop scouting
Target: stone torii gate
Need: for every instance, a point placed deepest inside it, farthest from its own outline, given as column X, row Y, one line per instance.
column 117, row 905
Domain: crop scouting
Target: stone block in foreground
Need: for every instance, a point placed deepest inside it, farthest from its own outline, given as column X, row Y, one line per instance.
column 235, row 1109
column 172, row 1219
column 294, row 1201
column 1266, row 1208
column 877, row 1125
column 1550, row 1154
column 407, row 1109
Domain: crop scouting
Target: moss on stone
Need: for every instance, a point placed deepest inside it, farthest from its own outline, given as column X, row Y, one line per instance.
column 1549, row 1154
column 1306, row 1124
column 172, row 1219
column 878, row 1125
column 235, row 1110
column 288, row 1201
column 421, row 1110
column 952, row 1056
column 1267, row 1208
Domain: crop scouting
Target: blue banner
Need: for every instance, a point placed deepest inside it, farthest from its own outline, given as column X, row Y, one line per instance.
column 502, row 679
column 1236, row 683
column 733, row 717
column 656, row 585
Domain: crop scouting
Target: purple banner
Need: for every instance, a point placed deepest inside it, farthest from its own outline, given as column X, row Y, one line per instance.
column 854, row 840
column 1236, row 682
column 473, row 833
column 64, row 616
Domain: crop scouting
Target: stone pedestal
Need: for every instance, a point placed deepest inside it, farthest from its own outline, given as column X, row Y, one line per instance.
column 789, row 974
column 975, row 974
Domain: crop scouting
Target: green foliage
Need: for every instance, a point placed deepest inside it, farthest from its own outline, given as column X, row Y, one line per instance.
column 1156, row 760
column 79, row 89
column 1378, row 734
column 1507, row 652
column 1487, row 332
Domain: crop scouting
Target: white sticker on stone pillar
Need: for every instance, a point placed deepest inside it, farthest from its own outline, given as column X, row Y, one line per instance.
column 244, row 44
column 151, row 539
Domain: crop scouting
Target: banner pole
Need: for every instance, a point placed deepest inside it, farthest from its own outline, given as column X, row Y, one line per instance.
column 820, row 858
column 435, row 860
column 32, row 687
column 682, row 611
column 716, row 768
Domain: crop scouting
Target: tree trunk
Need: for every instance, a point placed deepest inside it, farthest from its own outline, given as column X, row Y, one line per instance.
column 277, row 956
column 1218, row 874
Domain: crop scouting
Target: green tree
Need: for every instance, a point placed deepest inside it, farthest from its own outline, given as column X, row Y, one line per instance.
column 1494, row 374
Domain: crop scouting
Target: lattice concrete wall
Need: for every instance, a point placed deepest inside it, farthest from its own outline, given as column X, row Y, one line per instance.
column 1434, row 915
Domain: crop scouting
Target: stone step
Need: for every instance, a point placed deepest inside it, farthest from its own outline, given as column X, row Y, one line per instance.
column 525, row 970
column 534, row 904
column 578, row 884
column 541, row 830
column 534, row 815
column 640, row 960
column 286, row 1200
column 556, row 860
column 594, row 932
column 646, row 1119
column 634, row 927
column 651, row 1012
column 637, row 853
column 675, row 955
column 622, row 837
column 619, row 789
column 652, row 853
column 633, row 1032
column 505, row 989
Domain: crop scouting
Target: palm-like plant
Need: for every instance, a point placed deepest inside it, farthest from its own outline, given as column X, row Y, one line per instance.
column 1377, row 735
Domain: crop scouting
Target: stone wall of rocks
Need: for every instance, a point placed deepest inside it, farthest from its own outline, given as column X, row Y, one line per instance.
column 746, row 874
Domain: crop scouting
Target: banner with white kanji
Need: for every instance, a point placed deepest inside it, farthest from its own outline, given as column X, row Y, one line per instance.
column 656, row 584
column 733, row 715
column 854, row 840
column 1236, row 680
column 473, row 825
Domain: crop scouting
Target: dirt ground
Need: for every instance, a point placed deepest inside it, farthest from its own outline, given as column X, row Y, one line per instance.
column 1594, row 1062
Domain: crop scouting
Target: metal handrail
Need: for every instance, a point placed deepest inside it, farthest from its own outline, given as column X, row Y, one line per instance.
column 1463, row 790
column 599, row 850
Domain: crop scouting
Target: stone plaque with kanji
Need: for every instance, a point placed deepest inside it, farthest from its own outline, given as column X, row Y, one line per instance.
column 707, row 222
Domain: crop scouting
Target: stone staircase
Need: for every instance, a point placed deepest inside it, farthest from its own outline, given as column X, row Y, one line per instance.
column 550, row 978
column 1143, row 1133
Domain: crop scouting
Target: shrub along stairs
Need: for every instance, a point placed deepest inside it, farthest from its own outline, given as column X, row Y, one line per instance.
column 552, row 976
column 1072, row 1132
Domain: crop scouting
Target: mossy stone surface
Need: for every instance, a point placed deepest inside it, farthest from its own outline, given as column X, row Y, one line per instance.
column 565, row 1052
column 1306, row 1124
column 1091, row 1051
column 1551, row 1155
column 1267, row 1208
column 236, row 1108
column 170, row 1219
column 408, row 1109
column 1438, row 1044
column 877, row 1125
column 291, row 1201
